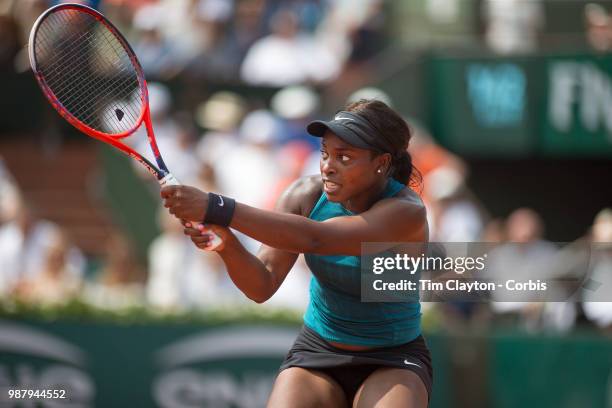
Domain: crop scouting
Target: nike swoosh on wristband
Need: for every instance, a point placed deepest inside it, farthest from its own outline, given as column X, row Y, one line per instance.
column 221, row 203
column 409, row 363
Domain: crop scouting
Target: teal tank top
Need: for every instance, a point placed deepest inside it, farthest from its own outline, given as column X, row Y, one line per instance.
column 335, row 310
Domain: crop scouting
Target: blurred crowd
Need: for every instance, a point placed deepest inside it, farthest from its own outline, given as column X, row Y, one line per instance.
column 253, row 153
column 267, row 43
column 252, row 150
column 278, row 43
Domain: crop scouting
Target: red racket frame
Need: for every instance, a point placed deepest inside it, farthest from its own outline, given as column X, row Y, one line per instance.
column 162, row 173
column 112, row 139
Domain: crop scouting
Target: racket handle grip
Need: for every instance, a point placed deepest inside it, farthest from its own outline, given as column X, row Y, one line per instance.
column 170, row 180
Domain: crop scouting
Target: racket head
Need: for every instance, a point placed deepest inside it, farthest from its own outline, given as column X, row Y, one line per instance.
column 88, row 71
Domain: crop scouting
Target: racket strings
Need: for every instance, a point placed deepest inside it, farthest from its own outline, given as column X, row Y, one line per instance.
column 121, row 81
column 89, row 71
column 58, row 66
column 85, row 110
column 84, row 106
column 67, row 75
column 70, row 42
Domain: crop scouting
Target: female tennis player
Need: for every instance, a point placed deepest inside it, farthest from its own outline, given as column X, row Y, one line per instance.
column 348, row 353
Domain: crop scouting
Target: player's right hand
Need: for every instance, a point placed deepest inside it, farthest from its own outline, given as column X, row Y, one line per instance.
column 185, row 202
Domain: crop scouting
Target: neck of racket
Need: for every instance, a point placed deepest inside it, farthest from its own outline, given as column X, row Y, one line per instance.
column 153, row 142
column 150, row 167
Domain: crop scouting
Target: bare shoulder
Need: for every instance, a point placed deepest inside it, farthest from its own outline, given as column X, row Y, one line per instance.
column 301, row 196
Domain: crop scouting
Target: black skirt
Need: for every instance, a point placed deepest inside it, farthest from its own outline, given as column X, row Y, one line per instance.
column 351, row 368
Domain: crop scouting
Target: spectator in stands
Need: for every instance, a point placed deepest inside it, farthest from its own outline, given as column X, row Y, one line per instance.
column 455, row 216
column 291, row 157
column 9, row 194
column 219, row 52
column 55, row 283
column 598, row 290
column 357, row 34
column 513, row 25
column 119, row 283
column 369, row 38
column 598, row 27
column 10, row 43
column 182, row 155
column 23, row 247
column 494, row 231
column 459, row 315
column 296, row 106
column 156, row 54
column 526, row 256
column 220, row 116
column 429, row 155
column 25, row 12
column 453, row 213
column 288, row 56
column 246, row 27
column 250, row 169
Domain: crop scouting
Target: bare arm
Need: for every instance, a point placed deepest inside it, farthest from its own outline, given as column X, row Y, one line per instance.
column 259, row 277
column 389, row 220
column 401, row 219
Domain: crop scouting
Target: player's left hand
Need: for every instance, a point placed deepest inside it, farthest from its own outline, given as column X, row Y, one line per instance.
column 202, row 235
column 185, row 202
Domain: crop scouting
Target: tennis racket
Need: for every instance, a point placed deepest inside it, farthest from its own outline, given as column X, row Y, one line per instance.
column 91, row 76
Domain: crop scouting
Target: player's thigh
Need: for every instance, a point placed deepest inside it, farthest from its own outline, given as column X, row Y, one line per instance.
column 391, row 387
column 301, row 388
